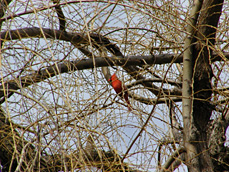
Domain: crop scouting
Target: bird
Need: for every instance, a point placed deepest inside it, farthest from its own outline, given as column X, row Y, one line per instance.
column 120, row 89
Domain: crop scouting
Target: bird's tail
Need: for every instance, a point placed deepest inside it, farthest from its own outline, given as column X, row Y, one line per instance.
column 128, row 104
column 129, row 108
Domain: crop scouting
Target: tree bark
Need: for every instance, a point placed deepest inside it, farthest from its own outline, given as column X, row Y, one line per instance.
column 202, row 88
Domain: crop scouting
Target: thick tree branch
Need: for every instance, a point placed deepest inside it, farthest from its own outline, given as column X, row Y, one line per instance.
column 80, row 38
column 3, row 6
column 150, row 101
column 219, row 152
column 75, row 38
column 60, row 14
column 187, row 90
column 67, row 66
column 172, row 158
column 97, row 40
column 177, row 162
column 167, row 81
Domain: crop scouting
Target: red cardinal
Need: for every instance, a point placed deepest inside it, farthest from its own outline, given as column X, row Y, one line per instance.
column 120, row 89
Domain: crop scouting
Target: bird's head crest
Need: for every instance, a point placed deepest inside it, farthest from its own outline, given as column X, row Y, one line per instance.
column 113, row 77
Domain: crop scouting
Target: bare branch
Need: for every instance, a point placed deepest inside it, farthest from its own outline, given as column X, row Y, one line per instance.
column 60, row 14
column 177, row 162
column 75, row 38
column 3, row 7
column 154, row 80
column 187, row 92
column 149, row 101
column 172, row 158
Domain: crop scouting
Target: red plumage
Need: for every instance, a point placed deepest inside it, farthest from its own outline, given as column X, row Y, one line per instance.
column 120, row 89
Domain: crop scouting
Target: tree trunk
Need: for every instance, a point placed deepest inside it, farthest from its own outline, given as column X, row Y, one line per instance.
column 202, row 88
